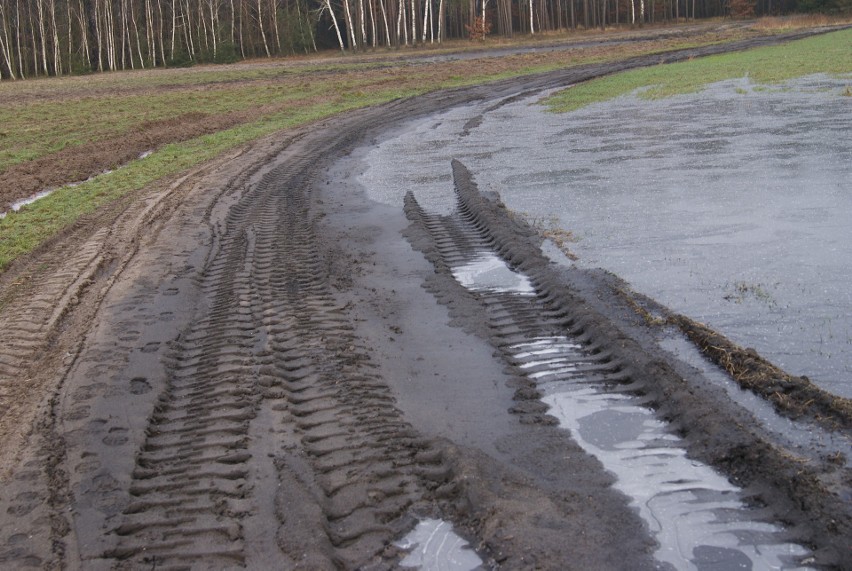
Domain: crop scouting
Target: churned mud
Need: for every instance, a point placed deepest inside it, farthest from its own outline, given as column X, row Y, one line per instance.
column 255, row 366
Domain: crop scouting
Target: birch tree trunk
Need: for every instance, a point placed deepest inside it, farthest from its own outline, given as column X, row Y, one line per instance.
column 532, row 26
column 6, row 42
column 413, row 16
column 274, row 8
column 373, row 30
column 174, row 29
column 401, row 22
column 440, row 21
column 260, row 25
column 363, row 22
column 57, row 55
column 162, row 33
column 425, row 20
column 138, row 41
column 347, row 14
column 385, row 18
column 214, row 20
column 123, row 30
column 18, row 39
column 42, row 33
column 327, row 6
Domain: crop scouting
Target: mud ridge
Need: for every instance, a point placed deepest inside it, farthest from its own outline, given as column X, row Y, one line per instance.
column 796, row 397
column 802, row 494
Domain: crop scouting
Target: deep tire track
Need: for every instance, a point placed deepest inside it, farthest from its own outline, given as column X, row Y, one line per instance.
column 596, row 351
column 272, row 334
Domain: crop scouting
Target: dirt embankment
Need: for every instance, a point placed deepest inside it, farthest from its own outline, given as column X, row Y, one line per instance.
column 241, row 368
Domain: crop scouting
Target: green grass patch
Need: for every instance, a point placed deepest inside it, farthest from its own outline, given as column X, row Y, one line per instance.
column 828, row 53
column 25, row 230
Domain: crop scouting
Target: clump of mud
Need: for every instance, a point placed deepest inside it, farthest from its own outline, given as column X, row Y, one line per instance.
column 793, row 396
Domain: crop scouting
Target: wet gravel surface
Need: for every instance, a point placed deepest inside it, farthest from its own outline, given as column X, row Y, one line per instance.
column 730, row 206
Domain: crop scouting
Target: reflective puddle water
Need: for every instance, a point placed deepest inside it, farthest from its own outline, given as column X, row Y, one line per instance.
column 696, row 515
column 487, row 272
column 699, row 519
column 435, row 547
column 16, row 206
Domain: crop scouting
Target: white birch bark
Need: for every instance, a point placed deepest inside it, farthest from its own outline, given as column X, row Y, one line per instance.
column 441, row 21
column 363, row 22
column 385, row 18
column 162, row 33
column 214, row 19
column 349, row 25
column 57, row 56
column 42, row 36
column 274, row 9
column 327, row 6
column 18, row 38
column 373, row 31
column 138, row 41
column 174, row 29
column 123, row 30
column 425, row 20
column 413, row 16
column 260, row 25
column 6, row 42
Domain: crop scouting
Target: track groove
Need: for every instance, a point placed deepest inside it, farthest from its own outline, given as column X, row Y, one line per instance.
column 546, row 343
column 272, row 333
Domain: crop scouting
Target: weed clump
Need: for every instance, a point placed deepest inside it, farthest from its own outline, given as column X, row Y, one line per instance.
column 791, row 396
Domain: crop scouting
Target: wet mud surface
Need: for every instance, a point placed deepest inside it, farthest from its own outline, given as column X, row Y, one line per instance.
column 256, row 366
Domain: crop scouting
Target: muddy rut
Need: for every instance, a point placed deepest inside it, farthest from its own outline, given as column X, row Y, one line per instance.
column 250, row 367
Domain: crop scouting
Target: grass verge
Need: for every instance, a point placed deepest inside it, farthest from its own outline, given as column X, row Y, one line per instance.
column 22, row 232
column 829, row 53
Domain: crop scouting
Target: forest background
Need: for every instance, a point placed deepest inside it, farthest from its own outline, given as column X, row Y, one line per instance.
column 62, row 37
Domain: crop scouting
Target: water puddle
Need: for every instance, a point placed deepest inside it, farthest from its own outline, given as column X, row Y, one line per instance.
column 16, row 206
column 433, row 546
column 699, row 518
column 487, row 272
column 696, row 200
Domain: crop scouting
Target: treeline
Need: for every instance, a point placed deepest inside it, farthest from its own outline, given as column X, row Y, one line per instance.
column 56, row 37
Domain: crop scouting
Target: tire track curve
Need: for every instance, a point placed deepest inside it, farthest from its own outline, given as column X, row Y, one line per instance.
column 272, row 342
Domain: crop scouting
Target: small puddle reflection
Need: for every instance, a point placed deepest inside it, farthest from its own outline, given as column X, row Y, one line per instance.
column 434, row 547
column 487, row 272
column 16, row 206
column 696, row 515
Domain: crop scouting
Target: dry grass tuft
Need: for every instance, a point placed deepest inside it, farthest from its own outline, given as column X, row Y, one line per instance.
column 797, row 21
column 792, row 396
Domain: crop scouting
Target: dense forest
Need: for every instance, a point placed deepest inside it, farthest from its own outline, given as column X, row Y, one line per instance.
column 56, row 37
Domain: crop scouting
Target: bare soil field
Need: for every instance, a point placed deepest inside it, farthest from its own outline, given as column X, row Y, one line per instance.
column 253, row 366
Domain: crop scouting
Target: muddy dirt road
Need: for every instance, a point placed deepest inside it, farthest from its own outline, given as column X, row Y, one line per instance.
column 254, row 366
